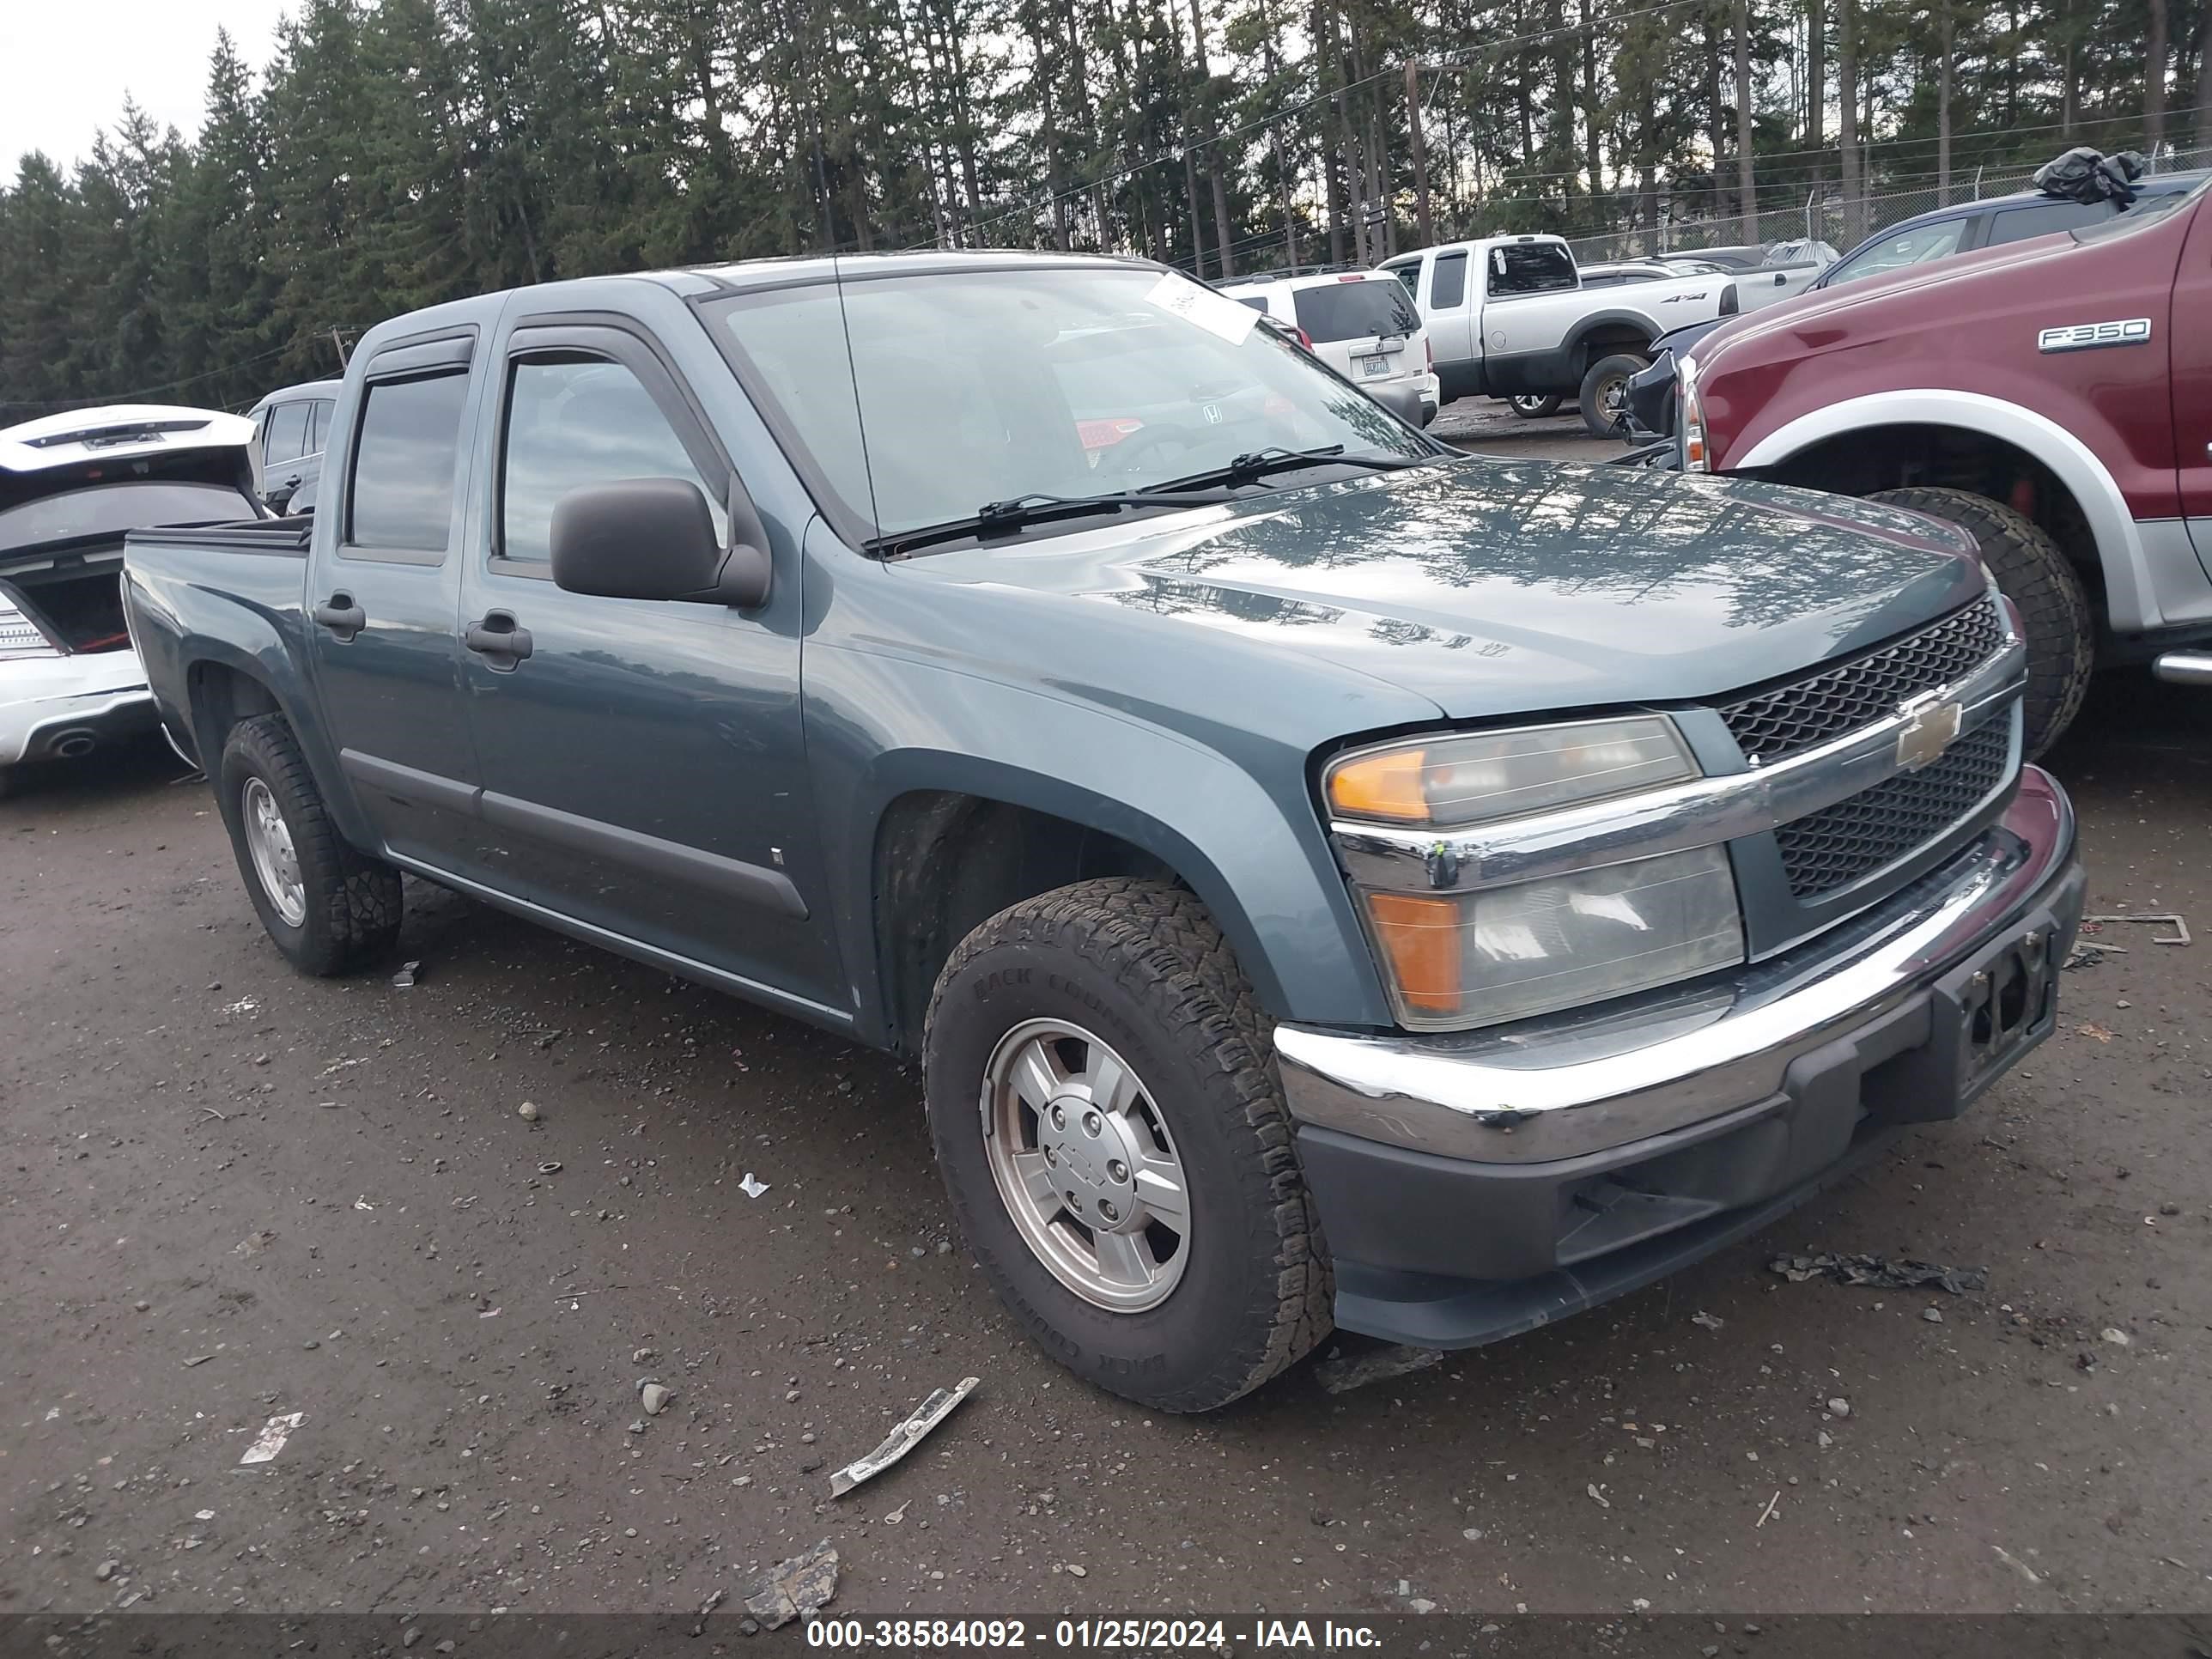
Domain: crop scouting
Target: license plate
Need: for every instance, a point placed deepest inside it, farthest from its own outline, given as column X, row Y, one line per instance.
column 1374, row 366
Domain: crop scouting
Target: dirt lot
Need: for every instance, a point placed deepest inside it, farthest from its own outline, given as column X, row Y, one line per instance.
column 231, row 1193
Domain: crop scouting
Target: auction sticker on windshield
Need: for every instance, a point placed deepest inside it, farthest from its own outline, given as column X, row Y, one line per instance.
column 1210, row 311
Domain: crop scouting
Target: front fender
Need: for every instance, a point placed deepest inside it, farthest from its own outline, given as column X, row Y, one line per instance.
column 2132, row 593
column 1251, row 847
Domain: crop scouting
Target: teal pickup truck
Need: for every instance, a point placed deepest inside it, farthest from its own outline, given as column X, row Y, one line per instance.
column 1326, row 880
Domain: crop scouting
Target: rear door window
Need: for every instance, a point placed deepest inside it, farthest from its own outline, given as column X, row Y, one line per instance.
column 319, row 428
column 402, row 498
column 287, row 433
column 1448, row 286
column 1529, row 268
column 1354, row 311
column 2041, row 218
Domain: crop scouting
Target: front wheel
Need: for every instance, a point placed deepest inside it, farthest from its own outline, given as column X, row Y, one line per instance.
column 327, row 908
column 1536, row 406
column 2033, row 571
column 1116, row 1148
column 1605, row 393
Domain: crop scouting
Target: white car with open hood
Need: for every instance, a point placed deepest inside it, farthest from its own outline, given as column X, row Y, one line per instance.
column 70, row 485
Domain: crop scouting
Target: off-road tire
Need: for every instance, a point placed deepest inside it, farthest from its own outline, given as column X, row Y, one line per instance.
column 353, row 901
column 1142, row 965
column 1540, row 409
column 2035, row 575
column 1618, row 367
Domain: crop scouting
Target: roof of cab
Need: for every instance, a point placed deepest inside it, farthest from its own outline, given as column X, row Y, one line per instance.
column 116, row 430
column 698, row 282
column 288, row 394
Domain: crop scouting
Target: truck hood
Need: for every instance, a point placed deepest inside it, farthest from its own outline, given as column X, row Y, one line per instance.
column 1805, row 315
column 1495, row 586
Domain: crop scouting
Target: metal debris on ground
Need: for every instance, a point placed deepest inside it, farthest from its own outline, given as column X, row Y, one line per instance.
column 903, row 1438
column 405, row 977
column 2088, row 955
column 271, row 1441
column 2178, row 936
column 792, row 1590
column 1342, row 1374
column 750, row 1188
column 1881, row 1271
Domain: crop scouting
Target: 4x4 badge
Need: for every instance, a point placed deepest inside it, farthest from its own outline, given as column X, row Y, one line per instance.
column 1931, row 721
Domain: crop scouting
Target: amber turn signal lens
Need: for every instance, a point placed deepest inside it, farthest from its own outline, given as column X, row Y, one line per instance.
column 1421, row 937
column 1384, row 784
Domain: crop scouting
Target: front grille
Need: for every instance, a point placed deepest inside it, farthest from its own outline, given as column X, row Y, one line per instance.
column 1832, row 848
column 1785, row 718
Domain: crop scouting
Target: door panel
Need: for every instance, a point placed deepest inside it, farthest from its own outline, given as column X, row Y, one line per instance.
column 381, row 612
column 642, row 764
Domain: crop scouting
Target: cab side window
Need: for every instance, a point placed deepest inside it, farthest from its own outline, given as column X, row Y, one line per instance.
column 1448, row 285
column 319, row 425
column 574, row 420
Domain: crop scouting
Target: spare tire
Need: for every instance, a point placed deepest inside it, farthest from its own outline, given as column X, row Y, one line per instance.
column 2033, row 571
column 1605, row 392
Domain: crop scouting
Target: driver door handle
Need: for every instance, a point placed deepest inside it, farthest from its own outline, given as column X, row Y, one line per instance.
column 341, row 615
column 499, row 640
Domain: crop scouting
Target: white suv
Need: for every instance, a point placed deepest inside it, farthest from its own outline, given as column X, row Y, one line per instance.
column 1358, row 322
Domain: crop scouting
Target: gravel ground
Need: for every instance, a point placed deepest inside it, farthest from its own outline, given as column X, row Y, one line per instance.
column 232, row 1195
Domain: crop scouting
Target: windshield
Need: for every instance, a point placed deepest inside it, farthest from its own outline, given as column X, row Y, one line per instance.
column 109, row 509
column 1897, row 250
column 964, row 389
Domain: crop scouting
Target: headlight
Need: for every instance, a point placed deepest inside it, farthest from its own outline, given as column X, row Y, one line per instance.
column 22, row 637
column 1461, row 959
column 1449, row 781
column 1690, row 417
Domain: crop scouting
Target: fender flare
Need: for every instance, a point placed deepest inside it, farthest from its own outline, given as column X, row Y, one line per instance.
column 1643, row 325
column 2130, row 595
column 291, row 696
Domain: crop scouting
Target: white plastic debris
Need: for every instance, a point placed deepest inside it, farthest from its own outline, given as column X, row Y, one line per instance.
column 750, row 1188
column 1710, row 1322
column 271, row 1441
column 405, row 977
column 903, row 1438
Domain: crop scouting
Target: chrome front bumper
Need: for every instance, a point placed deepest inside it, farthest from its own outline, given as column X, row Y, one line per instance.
column 46, row 701
column 1569, row 1085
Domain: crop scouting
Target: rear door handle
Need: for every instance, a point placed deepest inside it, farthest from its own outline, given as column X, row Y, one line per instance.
column 497, row 639
column 341, row 615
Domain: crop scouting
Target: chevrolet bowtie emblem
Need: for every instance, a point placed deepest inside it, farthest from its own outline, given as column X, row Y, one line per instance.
column 1931, row 721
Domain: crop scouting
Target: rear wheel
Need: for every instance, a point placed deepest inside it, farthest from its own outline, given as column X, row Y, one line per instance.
column 1605, row 393
column 328, row 908
column 2033, row 571
column 1534, row 406
column 1115, row 1142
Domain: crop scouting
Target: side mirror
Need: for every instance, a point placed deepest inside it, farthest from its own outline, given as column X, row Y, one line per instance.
column 1401, row 397
column 653, row 538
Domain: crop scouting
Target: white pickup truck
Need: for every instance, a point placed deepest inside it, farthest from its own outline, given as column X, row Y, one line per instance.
column 1509, row 317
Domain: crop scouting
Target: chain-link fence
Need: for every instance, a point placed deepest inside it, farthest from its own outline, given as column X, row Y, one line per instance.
column 1824, row 214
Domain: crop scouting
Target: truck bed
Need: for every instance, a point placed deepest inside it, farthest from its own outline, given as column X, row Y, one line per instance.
column 234, row 593
column 277, row 538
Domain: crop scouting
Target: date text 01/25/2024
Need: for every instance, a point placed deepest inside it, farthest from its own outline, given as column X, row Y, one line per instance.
column 1087, row 1634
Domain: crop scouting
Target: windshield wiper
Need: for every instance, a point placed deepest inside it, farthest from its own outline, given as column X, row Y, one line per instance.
column 1253, row 467
column 1006, row 518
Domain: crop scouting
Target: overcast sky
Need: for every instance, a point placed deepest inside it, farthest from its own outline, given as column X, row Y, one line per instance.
column 66, row 64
